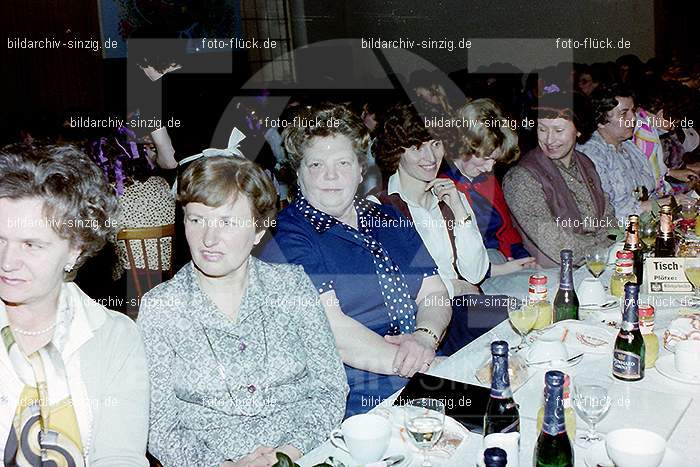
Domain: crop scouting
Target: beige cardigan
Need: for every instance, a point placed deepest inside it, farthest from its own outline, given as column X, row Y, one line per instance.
column 108, row 380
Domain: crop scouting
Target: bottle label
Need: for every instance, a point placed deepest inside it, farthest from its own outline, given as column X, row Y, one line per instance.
column 627, row 365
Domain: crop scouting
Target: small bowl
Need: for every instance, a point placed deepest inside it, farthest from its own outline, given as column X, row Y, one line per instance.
column 635, row 447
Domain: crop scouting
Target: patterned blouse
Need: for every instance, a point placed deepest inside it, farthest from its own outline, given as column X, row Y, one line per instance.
column 221, row 388
column 620, row 171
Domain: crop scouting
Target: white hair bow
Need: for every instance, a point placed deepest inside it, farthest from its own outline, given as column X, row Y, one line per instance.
column 232, row 150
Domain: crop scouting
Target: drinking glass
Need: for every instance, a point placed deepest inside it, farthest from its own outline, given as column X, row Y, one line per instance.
column 522, row 316
column 689, row 209
column 648, row 233
column 692, row 272
column 596, row 261
column 591, row 402
column 424, row 420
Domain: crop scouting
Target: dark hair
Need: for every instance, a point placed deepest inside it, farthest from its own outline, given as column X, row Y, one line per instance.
column 121, row 158
column 573, row 107
column 402, row 128
column 669, row 96
column 76, row 196
column 603, row 100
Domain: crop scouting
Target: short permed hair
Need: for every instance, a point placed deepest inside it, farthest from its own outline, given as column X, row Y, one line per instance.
column 217, row 180
column 573, row 107
column 329, row 120
column 487, row 131
column 603, row 100
column 82, row 206
column 402, row 128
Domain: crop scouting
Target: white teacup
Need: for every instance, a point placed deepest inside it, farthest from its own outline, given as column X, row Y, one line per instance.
column 634, row 447
column 687, row 358
column 591, row 292
column 548, row 347
column 365, row 437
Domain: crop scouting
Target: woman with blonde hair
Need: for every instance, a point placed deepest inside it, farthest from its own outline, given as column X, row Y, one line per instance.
column 488, row 137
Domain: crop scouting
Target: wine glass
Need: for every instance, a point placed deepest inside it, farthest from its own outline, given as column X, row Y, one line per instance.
column 424, row 420
column 648, row 235
column 522, row 316
column 692, row 272
column 689, row 209
column 596, row 261
column 591, row 402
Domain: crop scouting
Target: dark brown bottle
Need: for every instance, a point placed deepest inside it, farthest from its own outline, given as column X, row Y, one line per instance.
column 634, row 244
column 665, row 246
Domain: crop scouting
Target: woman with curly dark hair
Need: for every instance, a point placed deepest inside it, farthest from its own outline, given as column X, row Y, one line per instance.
column 74, row 372
column 410, row 155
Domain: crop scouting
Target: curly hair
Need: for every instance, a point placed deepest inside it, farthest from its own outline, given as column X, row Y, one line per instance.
column 402, row 128
column 215, row 180
column 82, row 206
column 329, row 120
column 487, row 131
column 573, row 107
column 603, row 100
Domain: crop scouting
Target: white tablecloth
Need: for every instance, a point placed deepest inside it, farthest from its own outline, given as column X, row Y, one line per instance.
column 667, row 397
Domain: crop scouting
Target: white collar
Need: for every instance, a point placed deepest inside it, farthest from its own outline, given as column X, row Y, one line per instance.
column 394, row 186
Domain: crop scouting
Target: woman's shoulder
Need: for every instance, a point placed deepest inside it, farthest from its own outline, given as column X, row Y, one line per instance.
column 282, row 272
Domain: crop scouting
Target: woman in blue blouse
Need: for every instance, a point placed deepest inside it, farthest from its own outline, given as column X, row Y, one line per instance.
column 379, row 286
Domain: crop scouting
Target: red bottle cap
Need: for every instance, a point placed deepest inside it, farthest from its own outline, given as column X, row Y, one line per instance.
column 538, row 279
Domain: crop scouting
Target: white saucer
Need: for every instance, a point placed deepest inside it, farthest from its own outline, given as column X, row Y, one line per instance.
column 597, row 455
column 666, row 366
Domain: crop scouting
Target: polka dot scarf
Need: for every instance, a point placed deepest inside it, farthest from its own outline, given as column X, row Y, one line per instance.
column 400, row 307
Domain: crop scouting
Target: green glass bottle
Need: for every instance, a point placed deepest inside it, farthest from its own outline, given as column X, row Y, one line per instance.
column 566, row 301
column 502, row 414
column 628, row 355
column 553, row 448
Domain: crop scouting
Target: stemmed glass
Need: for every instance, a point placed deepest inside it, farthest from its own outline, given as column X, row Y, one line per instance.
column 522, row 316
column 692, row 272
column 596, row 261
column 689, row 209
column 424, row 420
column 648, row 235
column 591, row 402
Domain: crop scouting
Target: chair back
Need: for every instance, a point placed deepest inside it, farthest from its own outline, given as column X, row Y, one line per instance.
column 144, row 278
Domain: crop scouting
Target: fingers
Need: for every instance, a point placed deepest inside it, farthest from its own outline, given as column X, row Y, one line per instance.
column 399, row 358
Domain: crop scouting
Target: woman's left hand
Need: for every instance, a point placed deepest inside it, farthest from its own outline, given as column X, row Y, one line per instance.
column 446, row 190
column 415, row 353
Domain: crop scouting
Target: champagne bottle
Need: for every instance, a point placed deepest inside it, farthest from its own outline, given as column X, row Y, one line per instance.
column 629, row 352
column 634, row 244
column 495, row 457
column 566, row 301
column 665, row 246
column 553, row 448
column 502, row 414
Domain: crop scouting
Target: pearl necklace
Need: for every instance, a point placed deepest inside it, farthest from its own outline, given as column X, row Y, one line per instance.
column 34, row 333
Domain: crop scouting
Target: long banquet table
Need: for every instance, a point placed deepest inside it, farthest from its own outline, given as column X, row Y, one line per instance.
column 656, row 403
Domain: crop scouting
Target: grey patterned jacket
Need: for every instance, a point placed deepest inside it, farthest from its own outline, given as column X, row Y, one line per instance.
column 221, row 388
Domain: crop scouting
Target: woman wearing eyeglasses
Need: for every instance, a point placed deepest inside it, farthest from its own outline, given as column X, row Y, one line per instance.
column 241, row 356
